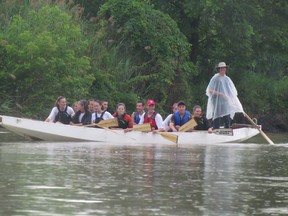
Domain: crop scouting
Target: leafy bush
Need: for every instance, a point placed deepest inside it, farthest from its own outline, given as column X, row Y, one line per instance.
column 46, row 53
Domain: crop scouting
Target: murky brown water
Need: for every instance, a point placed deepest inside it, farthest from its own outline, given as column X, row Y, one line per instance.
column 41, row 178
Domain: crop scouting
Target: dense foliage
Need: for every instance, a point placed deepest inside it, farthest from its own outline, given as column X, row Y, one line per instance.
column 139, row 49
column 44, row 57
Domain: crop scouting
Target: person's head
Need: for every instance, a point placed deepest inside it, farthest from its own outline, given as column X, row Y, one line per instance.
column 197, row 111
column 150, row 105
column 76, row 106
column 222, row 68
column 61, row 102
column 181, row 107
column 91, row 105
column 120, row 109
column 105, row 105
column 140, row 106
column 98, row 106
column 83, row 105
column 175, row 107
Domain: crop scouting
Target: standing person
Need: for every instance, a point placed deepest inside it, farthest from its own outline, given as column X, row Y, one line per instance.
column 168, row 118
column 61, row 113
column 99, row 115
column 180, row 117
column 223, row 102
column 83, row 116
column 202, row 121
column 124, row 120
column 152, row 117
column 136, row 116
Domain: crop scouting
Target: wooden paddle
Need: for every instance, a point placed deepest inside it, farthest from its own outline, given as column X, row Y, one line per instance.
column 105, row 123
column 146, row 127
column 188, row 125
column 259, row 129
column 169, row 136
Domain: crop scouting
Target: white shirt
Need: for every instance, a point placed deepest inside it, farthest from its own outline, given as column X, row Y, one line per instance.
column 54, row 112
column 140, row 116
column 158, row 119
column 167, row 121
column 105, row 116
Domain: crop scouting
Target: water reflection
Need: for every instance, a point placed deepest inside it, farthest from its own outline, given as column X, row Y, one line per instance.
column 41, row 178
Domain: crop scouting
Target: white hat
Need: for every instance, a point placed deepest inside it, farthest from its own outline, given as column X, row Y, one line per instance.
column 222, row 65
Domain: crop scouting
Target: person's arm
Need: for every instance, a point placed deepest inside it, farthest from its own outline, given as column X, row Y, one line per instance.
column 107, row 116
column 172, row 124
column 132, row 117
column 159, row 122
column 71, row 112
column 131, row 122
column 52, row 115
column 207, row 124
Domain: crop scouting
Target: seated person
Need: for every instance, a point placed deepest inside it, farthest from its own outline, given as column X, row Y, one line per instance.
column 83, row 116
column 152, row 117
column 61, row 113
column 179, row 118
column 136, row 116
column 168, row 118
column 202, row 121
column 124, row 120
column 99, row 114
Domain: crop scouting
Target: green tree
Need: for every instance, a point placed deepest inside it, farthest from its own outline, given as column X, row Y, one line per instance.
column 152, row 55
column 45, row 58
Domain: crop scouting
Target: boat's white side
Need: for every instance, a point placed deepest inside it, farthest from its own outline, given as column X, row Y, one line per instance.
column 59, row 132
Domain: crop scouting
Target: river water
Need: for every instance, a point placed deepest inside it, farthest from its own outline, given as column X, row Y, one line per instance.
column 81, row 178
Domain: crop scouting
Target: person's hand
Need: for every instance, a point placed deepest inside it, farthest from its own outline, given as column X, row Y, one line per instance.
column 210, row 130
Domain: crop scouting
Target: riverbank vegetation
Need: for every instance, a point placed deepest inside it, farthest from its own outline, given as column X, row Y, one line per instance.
column 140, row 49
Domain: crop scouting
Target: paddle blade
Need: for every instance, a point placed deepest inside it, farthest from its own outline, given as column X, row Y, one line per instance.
column 188, row 125
column 169, row 136
column 223, row 131
column 146, row 127
column 108, row 123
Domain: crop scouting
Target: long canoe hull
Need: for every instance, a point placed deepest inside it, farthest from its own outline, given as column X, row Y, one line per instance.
column 58, row 132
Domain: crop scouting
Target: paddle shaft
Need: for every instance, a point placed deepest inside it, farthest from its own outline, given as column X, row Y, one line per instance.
column 259, row 129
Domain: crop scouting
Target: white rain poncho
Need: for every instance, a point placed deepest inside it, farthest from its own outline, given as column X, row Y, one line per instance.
column 222, row 98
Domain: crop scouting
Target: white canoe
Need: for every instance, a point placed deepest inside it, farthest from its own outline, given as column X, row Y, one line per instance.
column 59, row 132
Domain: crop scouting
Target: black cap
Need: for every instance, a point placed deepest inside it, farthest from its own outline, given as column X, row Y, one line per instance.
column 181, row 103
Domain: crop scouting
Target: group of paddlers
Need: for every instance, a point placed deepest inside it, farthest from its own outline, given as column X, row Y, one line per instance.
column 222, row 104
column 92, row 112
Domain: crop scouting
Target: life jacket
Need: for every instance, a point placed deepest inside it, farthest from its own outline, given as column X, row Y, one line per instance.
column 202, row 123
column 151, row 120
column 179, row 121
column 123, row 122
column 86, row 119
column 63, row 116
column 98, row 119
column 136, row 117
